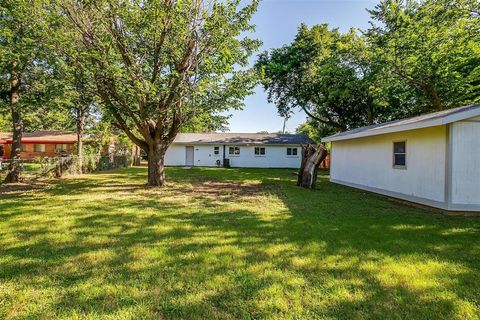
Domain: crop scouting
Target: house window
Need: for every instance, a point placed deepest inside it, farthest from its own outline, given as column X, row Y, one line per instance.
column 23, row 147
column 259, row 151
column 39, row 147
column 400, row 154
column 59, row 148
column 234, row 151
column 216, row 151
column 293, row 152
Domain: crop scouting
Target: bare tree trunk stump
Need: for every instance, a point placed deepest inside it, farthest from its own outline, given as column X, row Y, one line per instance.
column 311, row 159
column 13, row 173
column 63, row 165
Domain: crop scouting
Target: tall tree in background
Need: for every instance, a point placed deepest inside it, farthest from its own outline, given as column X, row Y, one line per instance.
column 159, row 63
column 433, row 46
column 24, row 64
column 324, row 73
column 78, row 83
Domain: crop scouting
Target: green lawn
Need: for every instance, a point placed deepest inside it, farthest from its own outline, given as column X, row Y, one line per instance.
column 230, row 244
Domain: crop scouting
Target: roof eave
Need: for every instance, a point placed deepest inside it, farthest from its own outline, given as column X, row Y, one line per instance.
column 238, row 143
column 413, row 126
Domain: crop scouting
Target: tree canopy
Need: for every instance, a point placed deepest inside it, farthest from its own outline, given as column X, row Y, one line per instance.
column 324, row 73
column 433, row 46
column 417, row 57
column 26, row 65
column 158, row 64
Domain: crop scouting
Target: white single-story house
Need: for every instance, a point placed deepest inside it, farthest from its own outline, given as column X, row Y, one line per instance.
column 239, row 149
column 432, row 159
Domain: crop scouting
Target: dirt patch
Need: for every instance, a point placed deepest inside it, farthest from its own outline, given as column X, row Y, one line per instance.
column 226, row 188
column 222, row 191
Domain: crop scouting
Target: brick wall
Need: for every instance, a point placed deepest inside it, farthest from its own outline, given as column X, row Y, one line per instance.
column 30, row 153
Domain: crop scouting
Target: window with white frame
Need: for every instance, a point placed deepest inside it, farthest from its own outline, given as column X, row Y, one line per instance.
column 259, row 151
column 59, row 148
column 292, row 152
column 234, row 151
column 216, row 151
column 23, row 147
column 400, row 154
column 39, row 148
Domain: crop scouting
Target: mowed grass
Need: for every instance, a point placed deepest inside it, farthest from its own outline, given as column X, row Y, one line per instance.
column 230, row 244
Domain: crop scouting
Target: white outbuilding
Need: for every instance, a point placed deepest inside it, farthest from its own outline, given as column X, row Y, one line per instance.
column 247, row 150
column 432, row 159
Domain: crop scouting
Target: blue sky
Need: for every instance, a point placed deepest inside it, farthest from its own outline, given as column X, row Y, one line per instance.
column 277, row 22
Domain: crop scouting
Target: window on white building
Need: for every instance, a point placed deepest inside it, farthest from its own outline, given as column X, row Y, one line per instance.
column 292, row 152
column 400, row 154
column 234, row 151
column 259, row 151
column 216, row 151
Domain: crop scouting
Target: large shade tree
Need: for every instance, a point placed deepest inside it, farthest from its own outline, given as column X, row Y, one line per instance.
column 77, row 83
column 159, row 63
column 326, row 74
column 433, row 46
column 26, row 31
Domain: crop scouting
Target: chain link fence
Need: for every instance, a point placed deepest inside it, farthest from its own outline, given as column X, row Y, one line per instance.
column 38, row 168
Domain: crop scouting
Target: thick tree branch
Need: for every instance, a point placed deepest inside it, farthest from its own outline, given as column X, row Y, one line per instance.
column 328, row 123
column 426, row 88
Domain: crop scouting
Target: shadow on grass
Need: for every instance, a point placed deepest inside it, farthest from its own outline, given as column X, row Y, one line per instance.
column 235, row 243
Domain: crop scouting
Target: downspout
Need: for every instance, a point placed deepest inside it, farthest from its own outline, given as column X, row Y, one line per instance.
column 224, row 153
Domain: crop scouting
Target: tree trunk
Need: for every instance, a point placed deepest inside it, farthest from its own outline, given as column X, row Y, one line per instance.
column 156, row 172
column 13, row 174
column 433, row 97
column 80, row 130
column 311, row 159
column 136, row 156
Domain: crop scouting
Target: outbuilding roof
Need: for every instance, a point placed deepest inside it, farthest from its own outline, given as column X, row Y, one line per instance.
column 42, row 137
column 423, row 121
column 242, row 138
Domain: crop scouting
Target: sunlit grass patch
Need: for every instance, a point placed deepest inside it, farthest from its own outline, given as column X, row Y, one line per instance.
column 230, row 244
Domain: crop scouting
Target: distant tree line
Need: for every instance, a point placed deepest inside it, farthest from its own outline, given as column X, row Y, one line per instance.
column 416, row 57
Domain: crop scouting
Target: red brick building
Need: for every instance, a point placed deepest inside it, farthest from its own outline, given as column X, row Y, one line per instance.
column 41, row 144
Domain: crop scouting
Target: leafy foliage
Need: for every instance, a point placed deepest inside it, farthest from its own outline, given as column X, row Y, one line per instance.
column 159, row 64
column 156, row 79
column 433, row 46
column 324, row 73
column 417, row 57
column 26, row 35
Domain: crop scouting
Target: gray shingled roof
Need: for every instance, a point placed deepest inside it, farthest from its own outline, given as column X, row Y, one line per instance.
column 242, row 138
column 423, row 121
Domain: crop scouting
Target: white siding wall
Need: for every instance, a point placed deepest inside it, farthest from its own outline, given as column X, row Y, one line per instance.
column 175, row 156
column 466, row 163
column 205, row 157
column 275, row 157
column 369, row 162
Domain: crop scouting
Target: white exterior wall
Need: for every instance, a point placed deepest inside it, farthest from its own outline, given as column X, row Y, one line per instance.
column 465, row 164
column 275, row 156
column 368, row 162
column 205, row 157
column 175, row 156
